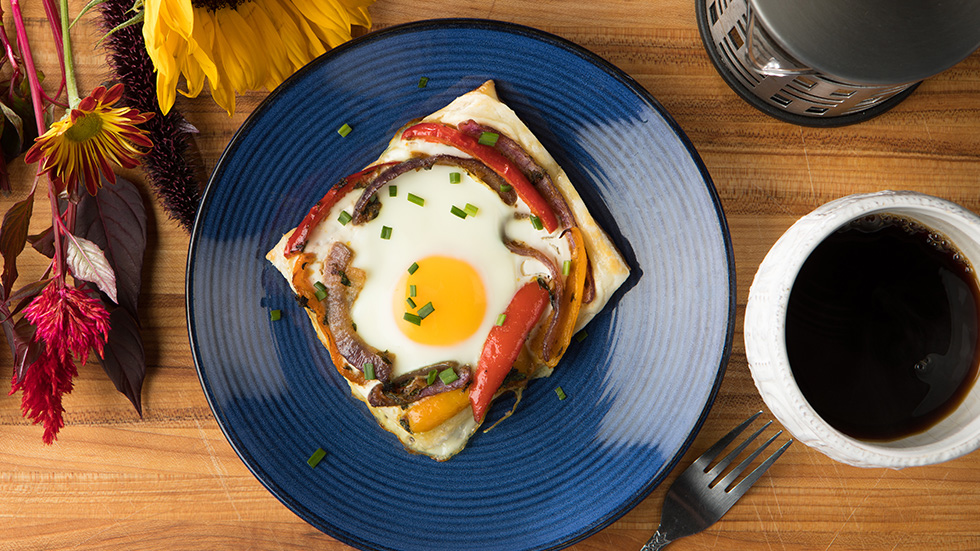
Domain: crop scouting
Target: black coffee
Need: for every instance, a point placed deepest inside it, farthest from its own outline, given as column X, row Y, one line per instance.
column 882, row 328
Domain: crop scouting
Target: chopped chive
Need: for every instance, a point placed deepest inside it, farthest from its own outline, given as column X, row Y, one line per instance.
column 431, row 377
column 275, row 315
column 426, row 310
column 416, row 199
column 344, row 280
column 566, row 267
column 506, row 187
column 471, row 209
column 412, row 290
column 536, row 222
column 411, row 303
column 385, row 232
column 344, row 130
column 413, row 267
column 448, row 375
column 458, row 211
column 580, row 336
column 489, row 138
column 321, row 290
column 316, row 457
column 423, row 82
column 560, row 393
column 392, row 191
column 455, row 177
column 344, row 218
column 500, row 319
column 412, row 318
column 368, row 369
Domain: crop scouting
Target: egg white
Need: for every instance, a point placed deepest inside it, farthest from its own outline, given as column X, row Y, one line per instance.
column 432, row 229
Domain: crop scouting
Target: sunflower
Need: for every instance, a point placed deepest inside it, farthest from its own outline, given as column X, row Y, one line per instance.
column 77, row 148
column 240, row 45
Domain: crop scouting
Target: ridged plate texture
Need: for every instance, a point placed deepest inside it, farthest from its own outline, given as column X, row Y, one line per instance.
column 638, row 386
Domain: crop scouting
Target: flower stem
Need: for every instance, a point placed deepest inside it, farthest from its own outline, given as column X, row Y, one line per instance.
column 73, row 98
column 35, row 85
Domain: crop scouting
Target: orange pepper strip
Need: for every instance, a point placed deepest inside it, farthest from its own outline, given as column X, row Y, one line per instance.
column 572, row 295
column 432, row 411
column 504, row 343
column 441, row 133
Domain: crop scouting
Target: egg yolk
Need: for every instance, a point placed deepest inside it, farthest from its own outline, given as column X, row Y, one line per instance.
column 448, row 297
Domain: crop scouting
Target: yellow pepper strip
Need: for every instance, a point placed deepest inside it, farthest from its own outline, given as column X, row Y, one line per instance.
column 572, row 295
column 432, row 411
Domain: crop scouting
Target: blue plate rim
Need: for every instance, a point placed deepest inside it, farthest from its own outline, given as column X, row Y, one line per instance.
column 535, row 34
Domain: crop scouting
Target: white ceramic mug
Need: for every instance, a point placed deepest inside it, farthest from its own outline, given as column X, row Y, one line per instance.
column 765, row 326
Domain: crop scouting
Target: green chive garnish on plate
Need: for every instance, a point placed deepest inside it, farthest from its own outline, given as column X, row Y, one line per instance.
column 320, row 290
column 423, row 82
column 448, row 375
column 426, row 310
column 560, row 393
column 344, row 130
column 416, row 199
column 500, row 319
column 392, row 191
column 580, row 336
column 471, row 209
column 411, row 303
column 275, row 315
column 368, row 369
column 412, row 290
column 316, row 457
column 431, row 377
column 413, row 267
column 506, row 187
column 454, row 178
column 385, row 232
column 412, row 318
column 489, row 138
column 536, row 222
column 458, row 211
column 344, row 218
column 566, row 267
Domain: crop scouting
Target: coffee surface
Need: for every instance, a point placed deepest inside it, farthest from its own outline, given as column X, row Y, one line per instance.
column 882, row 328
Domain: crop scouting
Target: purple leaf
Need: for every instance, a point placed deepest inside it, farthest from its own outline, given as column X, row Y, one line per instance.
column 13, row 237
column 123, row 358
column 88, row 263
column 115, row 220
column 43, row 242
column 20, row 337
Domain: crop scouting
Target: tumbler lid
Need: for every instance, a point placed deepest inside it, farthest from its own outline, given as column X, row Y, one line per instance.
column 875, row 42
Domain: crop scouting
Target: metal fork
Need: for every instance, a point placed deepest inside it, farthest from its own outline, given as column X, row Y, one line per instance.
column 697, row 499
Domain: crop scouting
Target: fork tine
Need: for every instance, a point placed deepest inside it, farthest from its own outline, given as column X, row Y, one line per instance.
column 734, row 473
column 753, row 477
column 723, row 464
column 708, row 456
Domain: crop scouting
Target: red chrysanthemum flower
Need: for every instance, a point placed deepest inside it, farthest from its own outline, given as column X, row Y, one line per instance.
column 70, row 324
column 80, row 146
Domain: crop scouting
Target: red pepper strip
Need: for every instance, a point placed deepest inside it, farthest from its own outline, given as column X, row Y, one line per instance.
column 301, row 234
column 441, row 133
column 504, row 344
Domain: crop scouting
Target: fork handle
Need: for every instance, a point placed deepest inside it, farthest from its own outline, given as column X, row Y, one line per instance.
column 657, row 542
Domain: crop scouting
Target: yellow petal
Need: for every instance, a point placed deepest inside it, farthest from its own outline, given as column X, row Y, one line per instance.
column 179, row 16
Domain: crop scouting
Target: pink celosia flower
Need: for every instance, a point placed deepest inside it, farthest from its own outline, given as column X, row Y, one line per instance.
column 70, row 324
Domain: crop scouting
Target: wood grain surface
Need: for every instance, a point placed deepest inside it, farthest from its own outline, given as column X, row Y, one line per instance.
column 170, row 480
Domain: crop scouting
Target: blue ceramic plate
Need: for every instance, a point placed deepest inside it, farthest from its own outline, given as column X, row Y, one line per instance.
column 638, row 386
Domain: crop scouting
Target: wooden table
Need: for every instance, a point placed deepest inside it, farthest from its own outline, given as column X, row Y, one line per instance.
column 170, row 480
